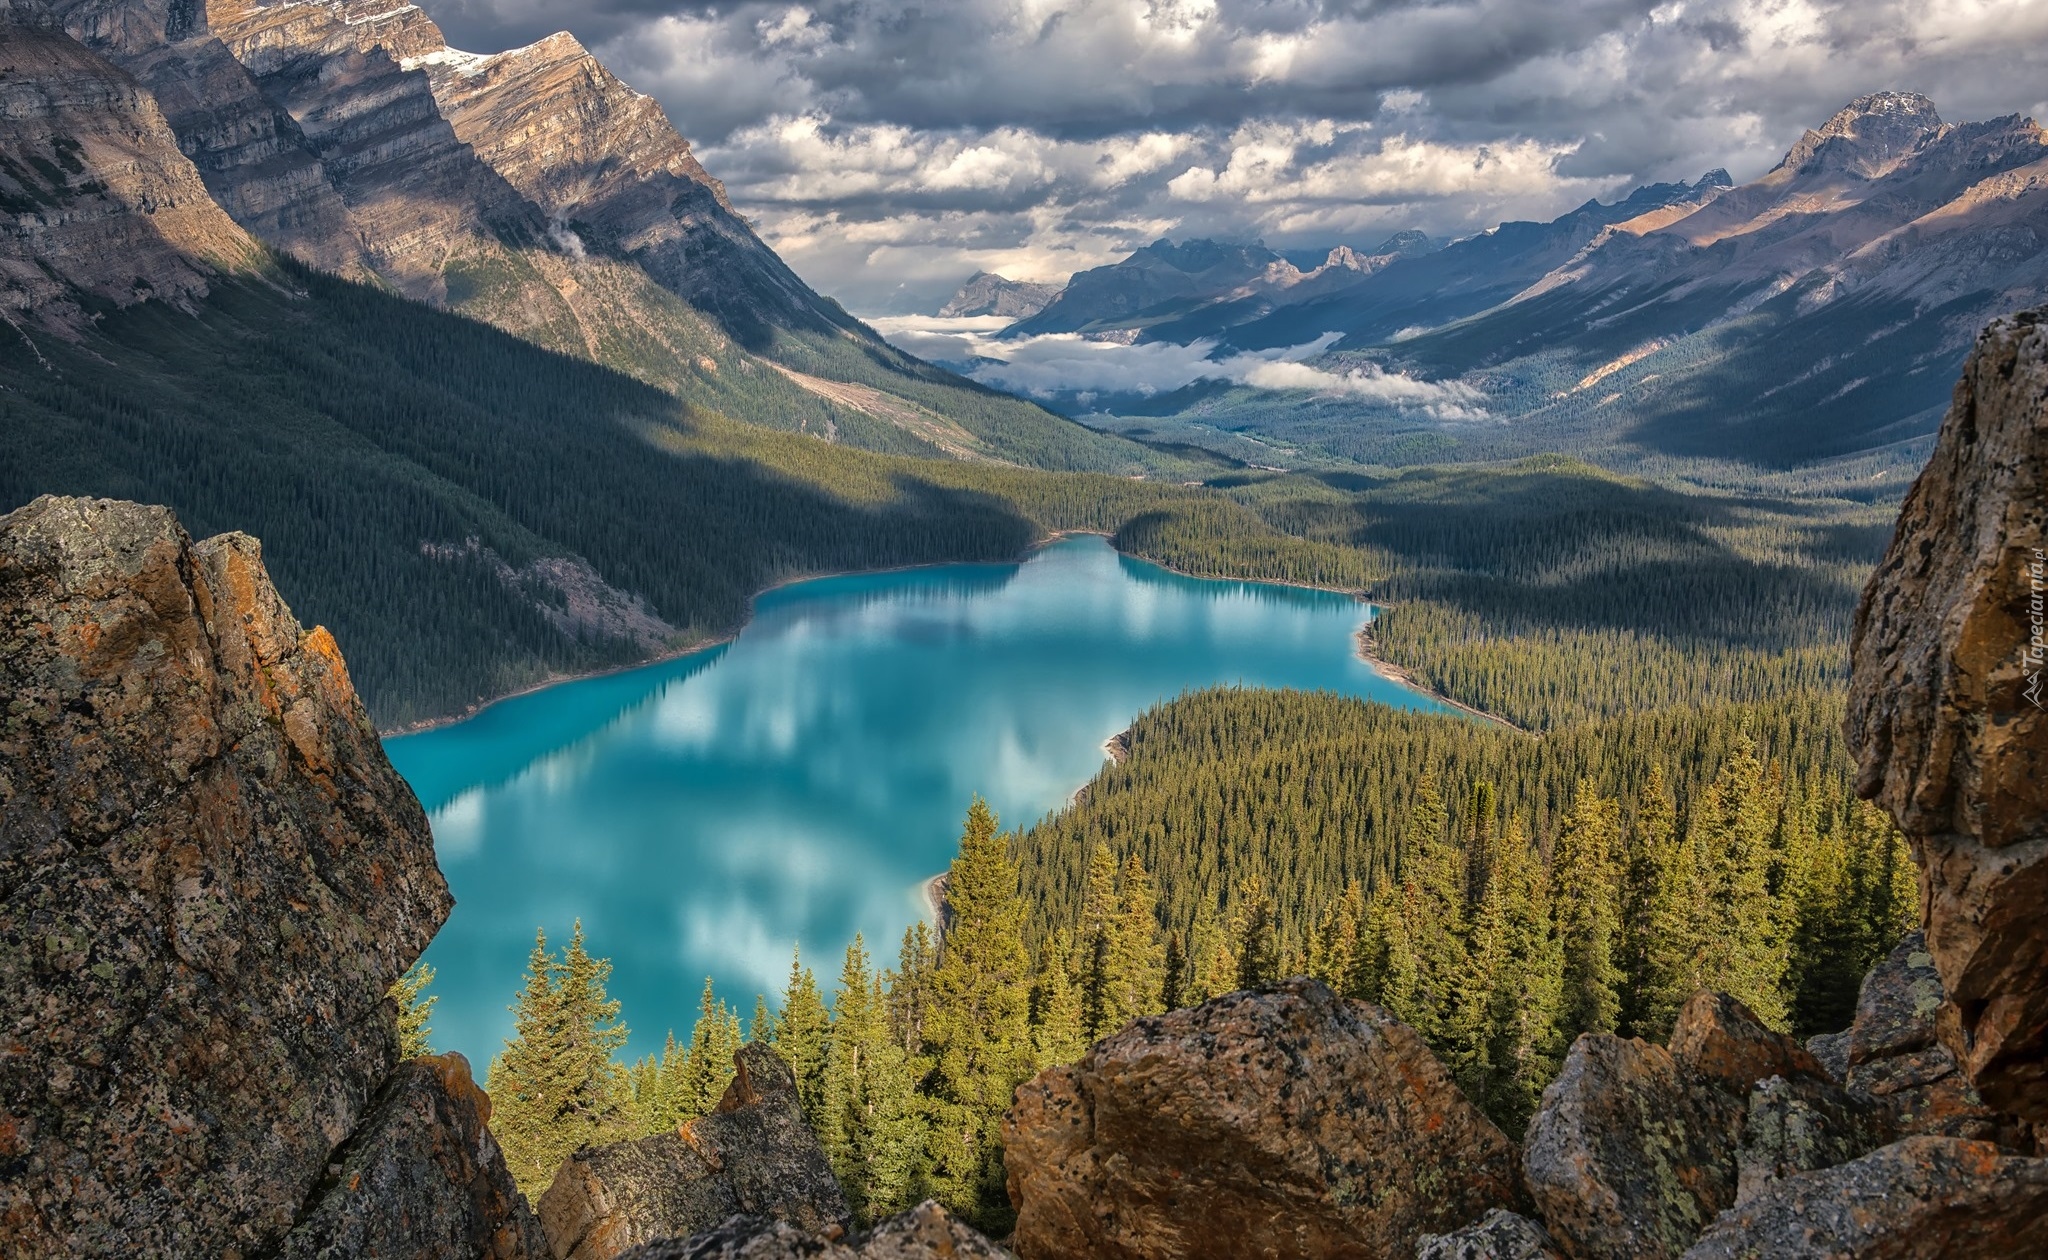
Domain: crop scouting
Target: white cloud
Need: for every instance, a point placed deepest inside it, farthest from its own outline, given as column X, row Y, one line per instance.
column 1068, row 363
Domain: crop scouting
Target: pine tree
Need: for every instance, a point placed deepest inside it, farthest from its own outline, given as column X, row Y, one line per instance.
column 762, row 1026
column 1097, row 945
column 1212, row 965
column 708, row 1067
column 1649, row 887
column 1433, row 908
column 1058, row 1035
column 1481, row 844
column 802, row 1031
column 1385, row 970
column 910, row 989
column 1175, row 986
column 1254, row 941
column 977, row 1025
column 415, row 1008
column 1583, row 900
column 1741, row 932
column 1333, row 946
column 1136, row 970
column 554, row 1088
column 1525, row 1036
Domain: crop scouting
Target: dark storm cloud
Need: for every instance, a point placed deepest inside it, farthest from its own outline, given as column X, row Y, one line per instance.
column 889, row 147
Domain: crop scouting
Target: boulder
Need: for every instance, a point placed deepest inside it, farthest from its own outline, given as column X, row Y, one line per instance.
column 1831, row 1051
column 1896, row 1061
column 754, row 1156
column 421, row 1177
column 1798, row 1124
column 926, row 1232
column 1629, row 1155
column 1499, row 1235
column 1923, row 1198
column 1946, row 709
column 1719, row 1040
column 1276, row 1122
column 210, row 875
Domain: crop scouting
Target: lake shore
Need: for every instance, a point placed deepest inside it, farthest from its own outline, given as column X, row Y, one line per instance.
column 1396, row 674
column 1385, row 669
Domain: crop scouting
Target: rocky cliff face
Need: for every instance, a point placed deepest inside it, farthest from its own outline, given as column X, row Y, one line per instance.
column 988, row 294
column 1946, row 709
column 210, row 876
column 97, row 205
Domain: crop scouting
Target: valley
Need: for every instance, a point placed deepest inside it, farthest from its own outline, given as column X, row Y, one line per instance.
column 493, row 659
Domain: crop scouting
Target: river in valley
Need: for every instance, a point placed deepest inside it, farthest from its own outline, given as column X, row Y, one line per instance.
column 802, row 782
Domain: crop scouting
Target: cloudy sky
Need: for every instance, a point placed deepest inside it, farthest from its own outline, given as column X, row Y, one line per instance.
column 889, row 148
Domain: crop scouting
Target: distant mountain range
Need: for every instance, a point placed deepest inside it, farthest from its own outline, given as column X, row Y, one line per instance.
column 1817, row 313
column 531, row 189
column 988, row 294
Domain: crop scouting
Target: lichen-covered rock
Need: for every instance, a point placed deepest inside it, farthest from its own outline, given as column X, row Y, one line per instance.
column 1831, row 1051
column 1276, row 1122
column 209, row 877
column 1629, row 1156
column 1798, row 1124
column 926, row 1232
column 1500, row 1235
column 421, row 1177
column 1923, row 1198
column 1718, row 1039
column 1896, row 1062
column 754, row 1156
column 1946, row 709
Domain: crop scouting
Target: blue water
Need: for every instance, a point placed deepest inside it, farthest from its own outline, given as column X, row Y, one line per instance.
column 802, row 782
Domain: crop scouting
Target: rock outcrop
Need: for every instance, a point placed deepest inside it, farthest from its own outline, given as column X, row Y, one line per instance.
column 1636, row 1147
column 1283, row 1122
column 1895, row 1061
column 1925, row 1198
column 210, row 877
column 421, row 1177
column 755, row 1156
column 926, row 1232
column 1946, row 709
column 97, row 205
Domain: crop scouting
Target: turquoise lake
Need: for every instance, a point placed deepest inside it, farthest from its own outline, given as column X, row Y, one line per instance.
column 802, row 782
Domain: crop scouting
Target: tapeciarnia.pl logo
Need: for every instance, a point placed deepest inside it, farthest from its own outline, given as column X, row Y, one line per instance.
column 2037, row 624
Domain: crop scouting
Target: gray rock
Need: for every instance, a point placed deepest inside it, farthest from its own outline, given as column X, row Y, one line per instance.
column 1923, row 1198
column 1831, row 1051
column 1800, row 1125
column 1628, row 1156
column 1500, row 1235
column 421, row 1177
column 754, row 1156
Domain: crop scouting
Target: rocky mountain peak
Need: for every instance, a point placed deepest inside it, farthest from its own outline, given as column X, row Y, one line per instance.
column 1869, row 137
column 987, row 293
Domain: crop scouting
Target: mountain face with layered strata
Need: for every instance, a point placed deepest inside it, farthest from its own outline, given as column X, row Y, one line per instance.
column 531, row 189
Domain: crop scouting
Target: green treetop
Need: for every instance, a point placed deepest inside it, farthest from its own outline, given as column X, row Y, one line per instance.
column 415, row 1008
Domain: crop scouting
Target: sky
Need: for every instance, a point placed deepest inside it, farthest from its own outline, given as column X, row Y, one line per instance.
column 890, row 148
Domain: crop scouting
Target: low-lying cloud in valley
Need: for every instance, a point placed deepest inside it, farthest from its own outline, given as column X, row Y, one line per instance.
column 1069, row 364
column 888, row 148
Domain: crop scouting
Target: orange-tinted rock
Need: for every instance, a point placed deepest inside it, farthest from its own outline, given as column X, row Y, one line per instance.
column 1630, row 1156
column 421, row 1177
column 209, row 877
column 1924, row 1198
column 754, row 1156
column 1720, row 1040
column 1946, row 711
column 1284, row 1122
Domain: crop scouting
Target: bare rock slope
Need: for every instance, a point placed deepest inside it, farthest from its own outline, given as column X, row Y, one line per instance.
column 210, row 875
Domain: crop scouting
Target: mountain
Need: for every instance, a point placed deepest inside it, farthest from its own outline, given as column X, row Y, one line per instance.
column 986, row 293
column 1816, row 314
column 1159, row 274
column 535, row 191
